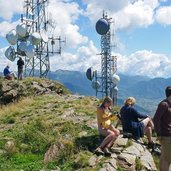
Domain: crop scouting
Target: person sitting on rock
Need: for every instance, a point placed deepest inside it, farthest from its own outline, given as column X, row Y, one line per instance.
column 131, row 123
column 9, row 74
column 105, row 127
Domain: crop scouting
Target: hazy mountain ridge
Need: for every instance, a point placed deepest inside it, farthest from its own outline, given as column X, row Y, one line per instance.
column 148, row 92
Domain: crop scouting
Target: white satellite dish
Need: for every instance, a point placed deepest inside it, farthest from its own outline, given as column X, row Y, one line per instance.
column 116, row 88
column 12, row 37
column 22, row 46
column 30, row 50
column 35, row 38
column 21, row 29
column 44, row 36
column 96, row 85
column 115, row 79
column 10, row 53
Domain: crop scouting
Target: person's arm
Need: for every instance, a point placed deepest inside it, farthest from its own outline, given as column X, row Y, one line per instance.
column 137, row 114
column 162, row 108
column 101, row 114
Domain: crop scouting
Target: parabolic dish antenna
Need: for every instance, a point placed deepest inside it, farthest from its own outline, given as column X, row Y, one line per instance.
column 89, row 73
column 102, row 26
column 35, row 38
column 44, row 36
column 96, row 85
column 10, row 53
column 21, row 29
column 116, row 88
column 115, row 79
column 12, row 37
column 30, row 50
column 22, row 46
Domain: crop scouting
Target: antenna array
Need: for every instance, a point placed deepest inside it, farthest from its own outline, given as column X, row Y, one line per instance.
column 105, row 82
column 33, row 40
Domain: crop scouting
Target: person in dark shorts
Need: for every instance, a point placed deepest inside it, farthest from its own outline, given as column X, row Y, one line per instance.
column 135, row 123
column 20, row 64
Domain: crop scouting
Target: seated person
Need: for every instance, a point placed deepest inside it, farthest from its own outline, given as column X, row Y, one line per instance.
column 9, row 74
column 105, row 127
column 131, row 123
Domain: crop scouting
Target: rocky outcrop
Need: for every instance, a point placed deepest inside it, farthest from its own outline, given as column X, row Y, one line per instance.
column 12, row 90
column 129, row 158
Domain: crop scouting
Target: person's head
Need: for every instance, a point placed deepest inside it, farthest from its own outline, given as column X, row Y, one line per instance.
column 20, row 58
column 130, row 101
column 168, row 91
column 107, row 101
column 8, row 66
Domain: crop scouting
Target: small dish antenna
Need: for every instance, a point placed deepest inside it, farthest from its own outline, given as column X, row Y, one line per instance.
column 90, row 73
column 21, row 29
column 35, row 38
column 10, row 53
column 30, row 50
column 44, row 36
column 96, row 85
column 12, row 37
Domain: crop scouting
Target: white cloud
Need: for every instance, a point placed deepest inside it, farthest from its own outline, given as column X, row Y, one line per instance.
column 128, row 15
column 66, row 15
column 9, row 7
column 5, row 27
column 145, row 63
column 84, row 58
column 163, row 15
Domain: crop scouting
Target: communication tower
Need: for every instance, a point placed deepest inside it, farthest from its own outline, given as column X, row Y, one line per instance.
column 33, row 40
column 105, row 82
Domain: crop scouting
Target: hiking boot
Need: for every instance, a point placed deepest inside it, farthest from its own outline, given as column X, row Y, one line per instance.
column 151, row 145
column 156, row 151
column 99, row 151
column 107, row 152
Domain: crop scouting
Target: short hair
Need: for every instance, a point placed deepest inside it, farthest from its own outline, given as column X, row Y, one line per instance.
column 168, row 91
column 130, row 101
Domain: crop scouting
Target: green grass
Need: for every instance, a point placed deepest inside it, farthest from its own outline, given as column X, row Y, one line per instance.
column 35, row 123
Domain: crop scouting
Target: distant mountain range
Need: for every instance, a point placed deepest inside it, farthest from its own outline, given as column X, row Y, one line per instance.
column 148, row 92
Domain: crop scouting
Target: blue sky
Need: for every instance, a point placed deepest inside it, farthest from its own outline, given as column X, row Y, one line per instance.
column 142, row 27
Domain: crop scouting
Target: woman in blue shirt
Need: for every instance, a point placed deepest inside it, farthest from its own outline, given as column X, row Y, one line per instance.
column 136, row 123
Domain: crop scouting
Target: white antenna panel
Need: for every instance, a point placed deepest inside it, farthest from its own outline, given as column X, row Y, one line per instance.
column 21, row 29
column 22, row 46
column 30, row 50
column 10, row 53
column 35, row 38
column 12, row 37
column 44, row 36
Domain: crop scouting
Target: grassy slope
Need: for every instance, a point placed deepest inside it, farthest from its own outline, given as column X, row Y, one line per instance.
column 36, row 123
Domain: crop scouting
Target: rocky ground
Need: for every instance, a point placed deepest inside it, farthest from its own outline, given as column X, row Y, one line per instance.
column 62, row 128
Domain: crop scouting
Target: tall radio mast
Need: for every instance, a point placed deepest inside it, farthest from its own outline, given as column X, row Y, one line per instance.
column 33, row 39
column 105, row 82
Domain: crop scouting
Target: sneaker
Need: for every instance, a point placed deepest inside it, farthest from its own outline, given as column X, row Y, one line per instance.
column 156, row 151
column 98, row 151
column 151, row 145
column 107, row 152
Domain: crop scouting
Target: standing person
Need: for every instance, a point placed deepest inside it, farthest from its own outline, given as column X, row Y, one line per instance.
column 9, row 74
column 131, row 123
column 162, row 124
column 20, row 64
column 105, row 127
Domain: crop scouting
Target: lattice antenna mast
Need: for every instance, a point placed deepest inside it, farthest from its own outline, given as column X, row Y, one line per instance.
column 106, row 82
column 35, row 18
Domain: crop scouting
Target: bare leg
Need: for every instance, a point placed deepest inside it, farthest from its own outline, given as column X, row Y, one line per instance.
column 109, row 139
column 148, row 126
